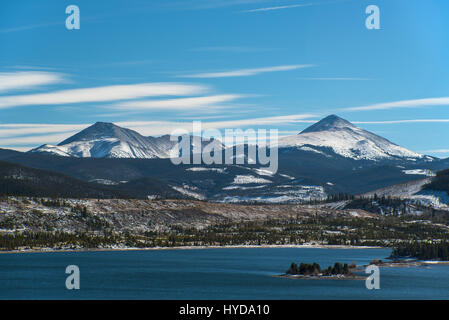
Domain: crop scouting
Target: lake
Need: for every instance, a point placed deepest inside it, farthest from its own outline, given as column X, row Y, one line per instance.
column 224, row 273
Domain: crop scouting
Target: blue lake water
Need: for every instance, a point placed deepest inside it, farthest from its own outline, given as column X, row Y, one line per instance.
column 209, row 274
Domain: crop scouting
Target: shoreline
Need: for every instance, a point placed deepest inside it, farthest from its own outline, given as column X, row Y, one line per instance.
column 410, row 263
column 319, row 277
column 305, row 246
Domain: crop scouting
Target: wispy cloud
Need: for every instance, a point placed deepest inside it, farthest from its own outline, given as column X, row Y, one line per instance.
column 23, row 136
column 101, row 94
column 212, row 4
column 279, row 7
column 336, row 79
column 34, row 141
column 125, row 63
column 417, row 103
column 403, row 121
column 436, row 151
column 177, row 104
column 29, row 27
column 247, row 72
column 238, row 49
column 291, row 6
column 166, row 127
column 33, row 67
column 23, row 129
column 27, row 79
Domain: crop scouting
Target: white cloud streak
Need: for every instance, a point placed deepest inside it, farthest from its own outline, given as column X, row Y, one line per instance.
column 177, row 104
column 27, row 79
column 15, row 130
column 28, row 27
column 166, row 127
column 336, row 79
column 403, row 121
column 247, row 72
column 101, row 94
column 417, row 103
column 437, row 151
column 279, row 7
column 35, row 140
column 235, row 49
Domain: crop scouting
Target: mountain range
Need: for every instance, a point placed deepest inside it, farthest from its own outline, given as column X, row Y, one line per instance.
column 106, row 140
column 331, row 156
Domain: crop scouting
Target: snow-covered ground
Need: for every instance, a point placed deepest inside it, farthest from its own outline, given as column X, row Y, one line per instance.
column 200, row 169
column 186, row 190
column 264, row 172
column 247, row 179
column 296, row 194
column 239, row 187
column 423, row 172
column 105, row 182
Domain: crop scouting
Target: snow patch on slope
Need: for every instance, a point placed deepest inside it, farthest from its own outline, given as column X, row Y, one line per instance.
column 195, row 169
column 185, row 190
column 247, row 179
column 423, row 172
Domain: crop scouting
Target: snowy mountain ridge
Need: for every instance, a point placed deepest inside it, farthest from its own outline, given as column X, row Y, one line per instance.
column 107, row 140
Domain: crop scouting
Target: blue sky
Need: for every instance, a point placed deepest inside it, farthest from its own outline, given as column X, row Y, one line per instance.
column 155, row 65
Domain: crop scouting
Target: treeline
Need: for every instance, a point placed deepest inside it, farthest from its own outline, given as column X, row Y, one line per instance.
column 440, row 182
column 422, row 251
column 328, row 229
column 57, row 240
column 340, row 197
column 306, row 269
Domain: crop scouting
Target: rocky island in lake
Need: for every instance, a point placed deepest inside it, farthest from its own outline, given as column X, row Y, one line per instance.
column 314, row 271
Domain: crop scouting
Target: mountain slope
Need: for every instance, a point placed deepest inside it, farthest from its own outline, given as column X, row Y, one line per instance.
column 430, row 191
column 23, row 181
column 343, row 138
column 20, row 180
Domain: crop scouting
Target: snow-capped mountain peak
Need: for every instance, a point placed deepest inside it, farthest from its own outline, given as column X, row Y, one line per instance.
column 347, row 140
column 102, row 130
column 332, row 122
